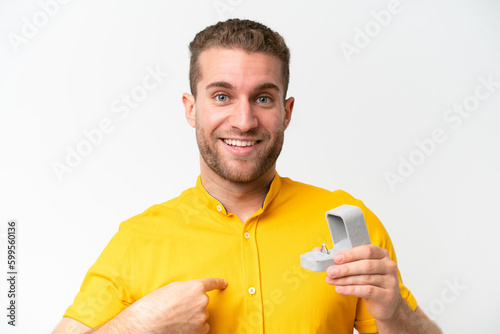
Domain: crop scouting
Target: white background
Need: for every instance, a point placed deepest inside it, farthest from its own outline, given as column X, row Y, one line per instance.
column 352, row 123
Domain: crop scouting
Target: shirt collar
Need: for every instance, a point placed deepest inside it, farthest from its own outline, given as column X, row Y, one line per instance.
column 274, row 189
column 211, row 202
column 214, row 204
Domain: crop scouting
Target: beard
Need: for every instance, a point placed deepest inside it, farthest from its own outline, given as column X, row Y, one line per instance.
column 239, row 169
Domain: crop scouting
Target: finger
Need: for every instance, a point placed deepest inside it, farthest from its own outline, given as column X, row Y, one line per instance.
column 316, row 249
column 205, row 328
column 375, row 280
column 205, row 314
column 360, row 253
column 362, row 267
column 211, row 283
column 367, row 292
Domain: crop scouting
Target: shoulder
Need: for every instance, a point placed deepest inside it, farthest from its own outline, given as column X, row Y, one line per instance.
column 306, row 191
column 317, row 199
column 157, row 215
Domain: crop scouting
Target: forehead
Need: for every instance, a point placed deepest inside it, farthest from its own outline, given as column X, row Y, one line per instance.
column 238, row 67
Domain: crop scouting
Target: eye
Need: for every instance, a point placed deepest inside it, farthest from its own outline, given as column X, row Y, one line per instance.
column 263, row 99
column 222, row 98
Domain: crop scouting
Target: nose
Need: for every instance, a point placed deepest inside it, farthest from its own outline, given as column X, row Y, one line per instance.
column 243, row 117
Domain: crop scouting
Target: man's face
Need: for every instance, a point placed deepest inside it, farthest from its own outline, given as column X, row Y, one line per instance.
column 239, row 114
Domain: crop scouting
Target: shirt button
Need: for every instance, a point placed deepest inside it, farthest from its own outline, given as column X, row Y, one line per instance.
column 247, row 235
column 251, row 290
column 219, row 208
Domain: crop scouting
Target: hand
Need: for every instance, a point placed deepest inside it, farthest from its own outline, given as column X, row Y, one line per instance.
column 368, row 272
column 179, row 307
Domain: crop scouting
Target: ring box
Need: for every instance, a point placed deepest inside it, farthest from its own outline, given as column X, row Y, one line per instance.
column 348, row 229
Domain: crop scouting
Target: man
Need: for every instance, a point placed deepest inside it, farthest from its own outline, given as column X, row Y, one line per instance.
column 236, row 237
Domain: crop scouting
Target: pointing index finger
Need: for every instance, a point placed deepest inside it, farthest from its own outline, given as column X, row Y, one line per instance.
column 211, row 283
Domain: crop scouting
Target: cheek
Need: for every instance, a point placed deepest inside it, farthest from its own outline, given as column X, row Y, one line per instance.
column 274, row 124
column 210, row 120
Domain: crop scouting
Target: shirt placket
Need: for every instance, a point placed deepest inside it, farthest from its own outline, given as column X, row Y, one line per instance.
column 253, row 295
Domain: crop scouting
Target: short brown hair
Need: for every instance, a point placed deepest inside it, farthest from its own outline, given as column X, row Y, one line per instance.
column 235, row 33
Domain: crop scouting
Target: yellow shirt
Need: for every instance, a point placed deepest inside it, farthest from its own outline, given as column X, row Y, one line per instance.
column 192, row 236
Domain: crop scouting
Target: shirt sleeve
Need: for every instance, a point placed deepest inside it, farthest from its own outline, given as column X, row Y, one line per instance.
column 364, row 323
column 105, row 289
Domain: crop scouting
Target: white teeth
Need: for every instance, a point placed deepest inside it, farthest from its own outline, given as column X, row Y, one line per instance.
column 240, row 143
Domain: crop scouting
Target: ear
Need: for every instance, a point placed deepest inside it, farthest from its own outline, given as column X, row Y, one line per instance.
column 288, row 110
column 189, row 107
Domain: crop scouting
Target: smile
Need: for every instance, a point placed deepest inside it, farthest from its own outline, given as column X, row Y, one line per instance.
column 240, row 143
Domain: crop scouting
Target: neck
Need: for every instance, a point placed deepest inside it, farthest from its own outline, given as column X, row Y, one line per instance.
column 242, row 199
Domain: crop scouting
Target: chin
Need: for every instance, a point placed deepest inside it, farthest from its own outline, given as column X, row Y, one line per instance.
column 240, row 176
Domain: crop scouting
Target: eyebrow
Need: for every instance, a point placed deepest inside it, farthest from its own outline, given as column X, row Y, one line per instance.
column 224, row 84
column 267, row 85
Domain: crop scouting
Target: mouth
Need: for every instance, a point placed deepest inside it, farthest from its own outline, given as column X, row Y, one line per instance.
column 240, row 143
